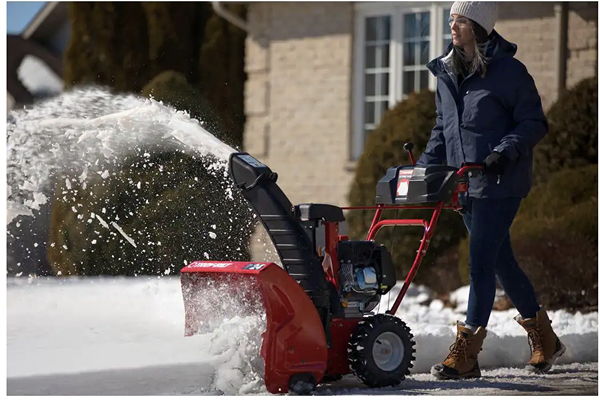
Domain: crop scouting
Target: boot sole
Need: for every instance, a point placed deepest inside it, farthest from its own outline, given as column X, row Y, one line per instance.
column 550, row 363
column 439, row 374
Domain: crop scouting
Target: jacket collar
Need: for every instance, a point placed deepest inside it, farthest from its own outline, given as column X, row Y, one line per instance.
column 495, row 48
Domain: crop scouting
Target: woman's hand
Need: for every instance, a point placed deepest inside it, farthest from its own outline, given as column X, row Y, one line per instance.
column 495, row 163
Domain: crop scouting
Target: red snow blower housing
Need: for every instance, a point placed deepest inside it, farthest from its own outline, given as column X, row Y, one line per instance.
column 319, row 304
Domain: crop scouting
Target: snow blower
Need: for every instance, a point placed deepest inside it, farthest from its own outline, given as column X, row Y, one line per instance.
column 319, row 304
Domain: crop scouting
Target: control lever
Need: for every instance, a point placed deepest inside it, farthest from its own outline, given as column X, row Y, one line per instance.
column 408, row 147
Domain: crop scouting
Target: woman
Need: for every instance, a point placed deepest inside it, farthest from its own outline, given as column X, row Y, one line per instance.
column 489, row 111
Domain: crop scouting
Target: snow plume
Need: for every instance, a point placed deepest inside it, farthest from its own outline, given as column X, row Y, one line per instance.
column 86, row 129
column 104, row 164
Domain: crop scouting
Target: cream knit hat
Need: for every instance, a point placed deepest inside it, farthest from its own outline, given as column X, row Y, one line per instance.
column 485, row 13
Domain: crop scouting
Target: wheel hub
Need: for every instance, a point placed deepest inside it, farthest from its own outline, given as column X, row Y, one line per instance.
column 388, row 351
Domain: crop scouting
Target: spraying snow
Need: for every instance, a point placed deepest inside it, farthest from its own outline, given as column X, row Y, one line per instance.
column 118, row 172
column 75, row 325
column 85, row 128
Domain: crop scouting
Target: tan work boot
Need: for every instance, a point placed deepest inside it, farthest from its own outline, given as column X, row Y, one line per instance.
column 462, row 362
column 545, row 346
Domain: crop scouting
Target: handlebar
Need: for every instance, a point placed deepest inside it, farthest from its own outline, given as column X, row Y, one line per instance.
column 474, row 169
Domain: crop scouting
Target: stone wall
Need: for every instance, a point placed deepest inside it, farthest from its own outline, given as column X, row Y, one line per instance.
column 582, row 43
column 298, row 98
column 533, row 26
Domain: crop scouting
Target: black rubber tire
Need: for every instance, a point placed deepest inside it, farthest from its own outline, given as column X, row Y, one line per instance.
column 360, row 350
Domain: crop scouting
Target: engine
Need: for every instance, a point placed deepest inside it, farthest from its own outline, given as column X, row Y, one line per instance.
column 366, row 273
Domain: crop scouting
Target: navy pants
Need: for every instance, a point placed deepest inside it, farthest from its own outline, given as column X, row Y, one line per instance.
column 490, row 256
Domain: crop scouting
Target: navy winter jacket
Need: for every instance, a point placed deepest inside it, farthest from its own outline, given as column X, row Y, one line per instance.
column 501, row 112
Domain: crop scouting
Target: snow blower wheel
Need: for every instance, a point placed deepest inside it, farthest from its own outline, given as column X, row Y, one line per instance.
column 381, row 351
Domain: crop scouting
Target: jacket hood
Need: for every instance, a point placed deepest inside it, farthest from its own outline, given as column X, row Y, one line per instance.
column 497, row 47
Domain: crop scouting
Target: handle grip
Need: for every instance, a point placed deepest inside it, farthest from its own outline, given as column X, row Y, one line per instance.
column 408, row 147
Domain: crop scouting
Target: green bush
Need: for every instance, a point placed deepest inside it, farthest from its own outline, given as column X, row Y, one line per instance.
column 108, row 46
column 169, row 207
column 555, row 239
column 572, row 139
column 411, row 120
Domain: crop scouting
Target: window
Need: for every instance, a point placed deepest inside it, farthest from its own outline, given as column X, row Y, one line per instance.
column 393, row 43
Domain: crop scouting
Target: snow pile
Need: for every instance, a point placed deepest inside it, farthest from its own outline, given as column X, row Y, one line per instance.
column 38, row 78
column 86, row 130
column 229, row 317
column 236, row 343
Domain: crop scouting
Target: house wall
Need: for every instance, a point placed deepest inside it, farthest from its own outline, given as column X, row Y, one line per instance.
column 582, row 43
column 533, row 26
column 297, row 99
column 59, row 39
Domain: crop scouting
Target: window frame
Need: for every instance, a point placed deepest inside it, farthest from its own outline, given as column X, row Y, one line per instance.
column 396, row 11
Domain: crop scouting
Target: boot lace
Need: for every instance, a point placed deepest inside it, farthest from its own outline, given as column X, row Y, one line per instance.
column 534, row 338
column 459, row 348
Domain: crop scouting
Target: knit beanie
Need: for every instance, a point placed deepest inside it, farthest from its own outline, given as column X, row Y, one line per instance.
column 485, row 13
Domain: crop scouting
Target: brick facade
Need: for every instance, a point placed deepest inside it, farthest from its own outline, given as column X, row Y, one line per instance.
column 297, row 99
column 582, row 54
column 298, row 96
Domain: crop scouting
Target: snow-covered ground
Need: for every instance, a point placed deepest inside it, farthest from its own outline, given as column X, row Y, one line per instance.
column 125, row 336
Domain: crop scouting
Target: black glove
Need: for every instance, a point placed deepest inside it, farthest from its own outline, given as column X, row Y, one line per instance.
column 495, row 163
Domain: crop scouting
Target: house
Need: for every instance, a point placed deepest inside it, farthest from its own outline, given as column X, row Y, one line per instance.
column 320, row 75
column 34, row 58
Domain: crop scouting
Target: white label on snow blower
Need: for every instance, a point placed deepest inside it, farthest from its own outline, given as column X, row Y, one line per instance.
column 210, row 265
column 403, row 178
column 402, row 187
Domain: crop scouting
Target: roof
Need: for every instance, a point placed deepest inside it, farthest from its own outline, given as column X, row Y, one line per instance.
column 46, row 21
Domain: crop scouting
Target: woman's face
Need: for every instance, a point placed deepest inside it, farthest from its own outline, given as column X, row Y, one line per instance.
column 462, row 30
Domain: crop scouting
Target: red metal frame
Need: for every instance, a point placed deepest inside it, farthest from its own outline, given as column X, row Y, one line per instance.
column 341, row 329
column 428, row 225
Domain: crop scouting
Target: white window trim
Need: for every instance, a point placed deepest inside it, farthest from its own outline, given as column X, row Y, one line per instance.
column 396, row 10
